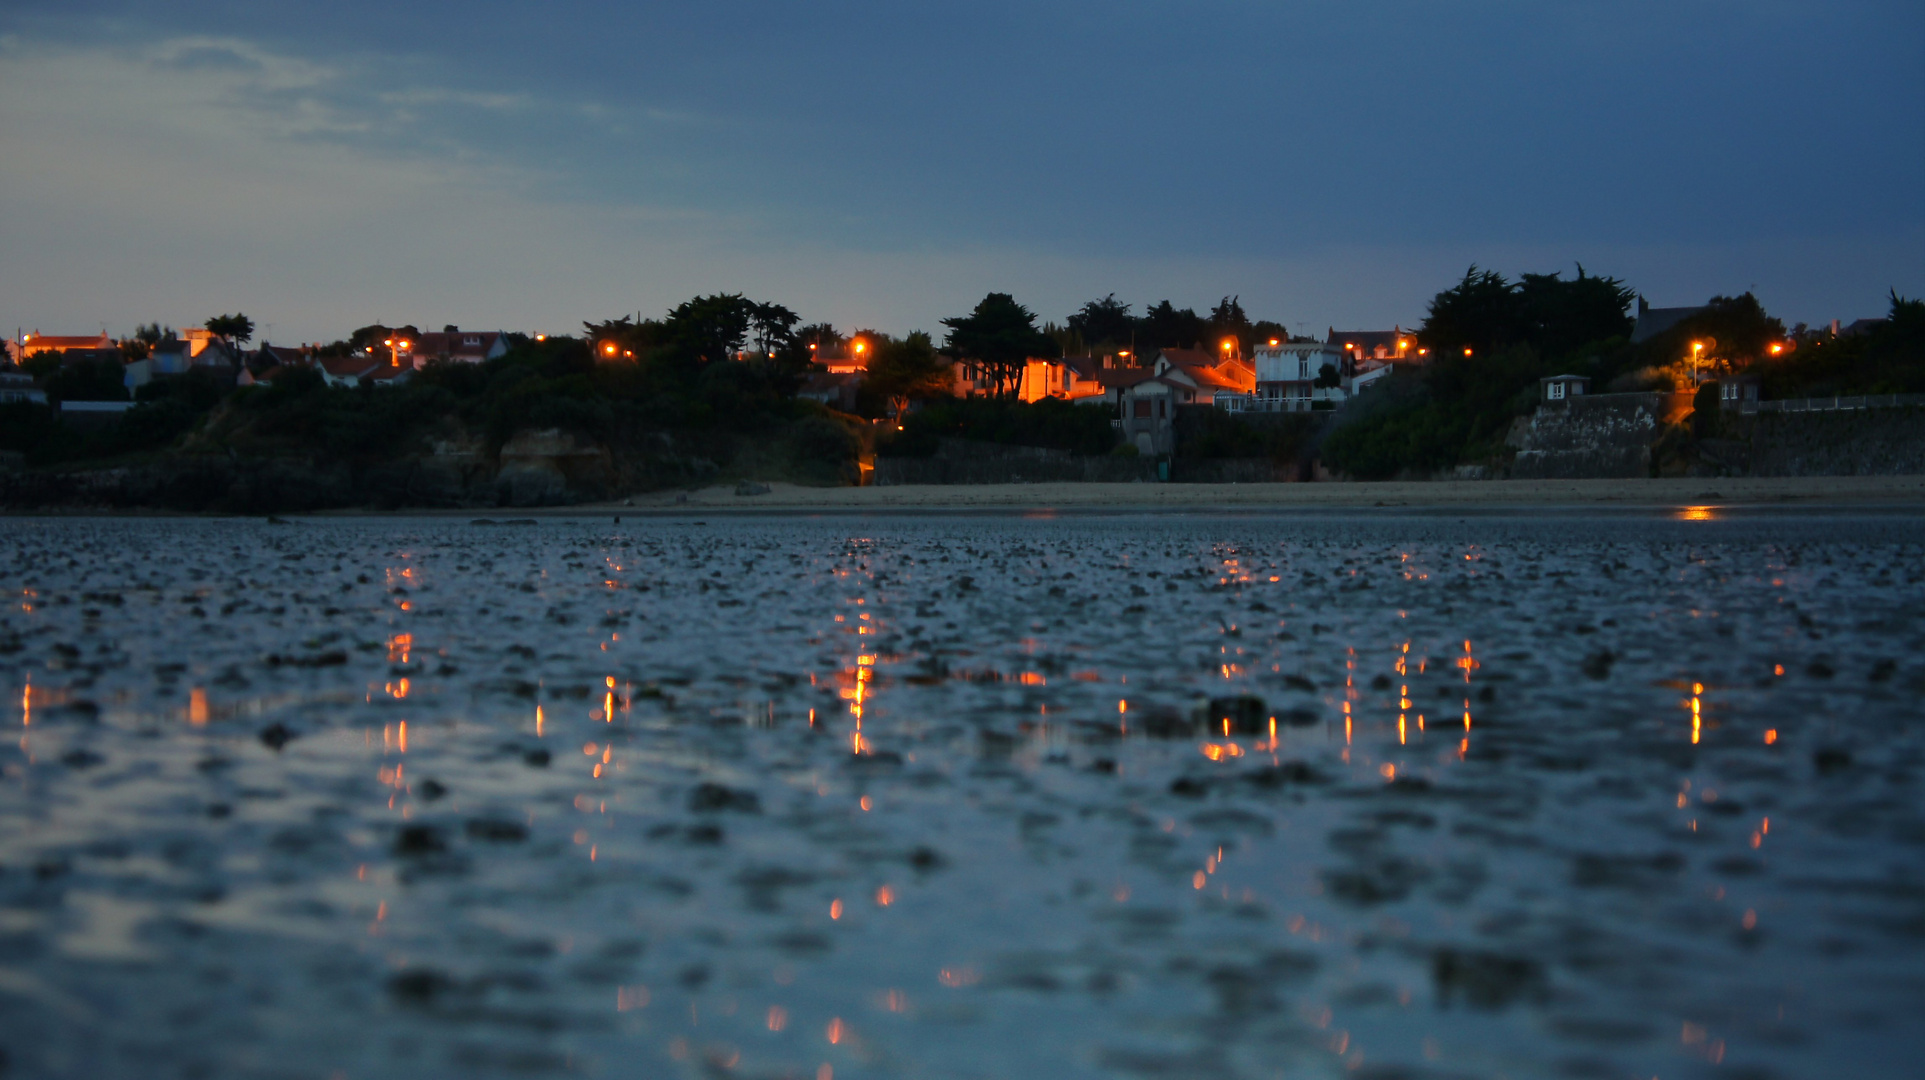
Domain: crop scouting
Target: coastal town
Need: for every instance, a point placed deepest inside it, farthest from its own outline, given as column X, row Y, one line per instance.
column 1539, row 376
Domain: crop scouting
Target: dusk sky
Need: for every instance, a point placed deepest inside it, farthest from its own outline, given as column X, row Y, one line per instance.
column 527, row 166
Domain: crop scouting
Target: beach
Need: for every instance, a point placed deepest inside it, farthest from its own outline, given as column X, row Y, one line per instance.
column 1853, row 491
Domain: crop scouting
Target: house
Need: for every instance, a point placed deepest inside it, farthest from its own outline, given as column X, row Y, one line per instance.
column 348, row 370
column 1177, row 378
column 1286, row 375
column 390, row 375
column 36, row 343
column 466, row 346
column 1653, row 321
column 1073, row 378
column 17, row 386
column 852, row 363
column 176, row 356
column 837, row 390
column 1739, row 392
column 1554, row 388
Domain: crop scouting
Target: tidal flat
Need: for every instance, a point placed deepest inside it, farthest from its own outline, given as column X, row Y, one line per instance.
column 1338, row 794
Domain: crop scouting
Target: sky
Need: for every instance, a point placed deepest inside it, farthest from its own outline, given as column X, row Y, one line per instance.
column 496, row 164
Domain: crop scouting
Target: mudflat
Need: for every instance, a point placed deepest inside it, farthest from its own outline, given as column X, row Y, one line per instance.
column 1090, row 796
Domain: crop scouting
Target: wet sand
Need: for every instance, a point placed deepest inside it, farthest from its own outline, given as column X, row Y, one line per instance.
column 1359, row 794
column 1851, row 491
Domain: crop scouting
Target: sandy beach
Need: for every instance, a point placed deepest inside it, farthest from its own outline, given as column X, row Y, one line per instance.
column 1855, row 491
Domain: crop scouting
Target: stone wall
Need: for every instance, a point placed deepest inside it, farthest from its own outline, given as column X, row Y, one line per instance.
column 966, row 461
column 1597, row 435
column 1850, row 442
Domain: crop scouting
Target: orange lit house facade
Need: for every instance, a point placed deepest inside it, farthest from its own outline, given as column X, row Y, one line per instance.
column 1178, row 378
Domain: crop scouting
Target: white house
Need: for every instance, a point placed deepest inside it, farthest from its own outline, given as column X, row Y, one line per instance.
column 1287, row 373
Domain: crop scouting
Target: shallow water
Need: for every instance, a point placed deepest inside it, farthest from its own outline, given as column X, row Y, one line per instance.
column 1576, row 795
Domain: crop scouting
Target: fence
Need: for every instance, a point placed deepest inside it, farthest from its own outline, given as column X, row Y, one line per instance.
column 1835, row 404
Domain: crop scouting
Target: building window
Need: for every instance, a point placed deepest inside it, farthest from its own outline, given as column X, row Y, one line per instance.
column 1556, row 391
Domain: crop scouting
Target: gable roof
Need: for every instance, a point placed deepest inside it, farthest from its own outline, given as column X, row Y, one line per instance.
column 457, row 344
column 1653, row 321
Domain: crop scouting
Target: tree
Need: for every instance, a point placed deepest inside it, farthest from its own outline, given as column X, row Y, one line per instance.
column 1479, row 313
column 708, row 329
column 1327, row 378
column 1227, row 320
column 1104, row 324
column 907, row 370
column 1264, row 331
column 1165, row 326
column 233, row 329
column 632, row 338
column 773, row 328
column 1001, row 335
column 821, row 335
column 1735, row 330
column 1559, row 317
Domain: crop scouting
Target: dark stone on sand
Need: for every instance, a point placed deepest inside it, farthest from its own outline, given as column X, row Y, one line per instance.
column 1598, row 664
column 1190, row 787
column 1298, row 682
column 276, row 735
column 712, row 798
column 1485, row 980
column 419, row 986
column 1242, row 715
column 924, row 857
column 1831, row 759
column 431, row 789
column 81, row 759
column 1592, row 871
column 496, row 830
column 331, row 658
column 1290, row 772
column 537, row 758
column 419, row 840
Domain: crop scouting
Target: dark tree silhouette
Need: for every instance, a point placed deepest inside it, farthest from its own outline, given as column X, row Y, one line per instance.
column 1001, row 335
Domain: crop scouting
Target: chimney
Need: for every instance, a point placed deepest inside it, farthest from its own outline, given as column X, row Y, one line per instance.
column 1834, row 328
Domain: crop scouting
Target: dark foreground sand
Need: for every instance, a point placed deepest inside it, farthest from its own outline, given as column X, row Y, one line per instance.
column 1859, row 491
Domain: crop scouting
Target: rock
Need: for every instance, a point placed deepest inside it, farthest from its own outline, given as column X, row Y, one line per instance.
column 711, row 798
column 277, row 735
column 1598, row 664
column 419, row 840
column 1485, row 980
column 496, row 830
column 1240, row 715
